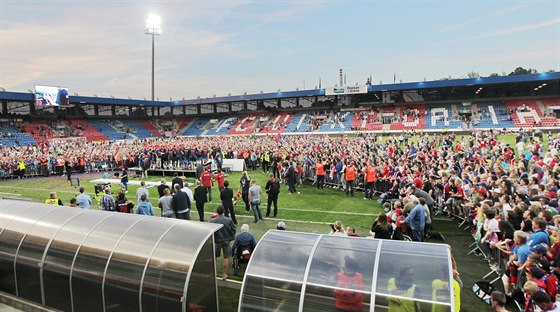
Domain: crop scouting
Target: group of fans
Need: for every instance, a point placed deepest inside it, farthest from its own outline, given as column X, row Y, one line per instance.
column 507, row 194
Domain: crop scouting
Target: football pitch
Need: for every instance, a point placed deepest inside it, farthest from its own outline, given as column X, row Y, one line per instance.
column 310, row 210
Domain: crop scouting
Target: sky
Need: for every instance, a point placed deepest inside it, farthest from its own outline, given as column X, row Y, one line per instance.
column 224, row 47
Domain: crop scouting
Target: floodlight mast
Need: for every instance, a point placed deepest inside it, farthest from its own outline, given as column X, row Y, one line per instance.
column 153, row 27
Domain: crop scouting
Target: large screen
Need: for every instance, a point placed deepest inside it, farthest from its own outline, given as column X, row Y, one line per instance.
column 51, row 96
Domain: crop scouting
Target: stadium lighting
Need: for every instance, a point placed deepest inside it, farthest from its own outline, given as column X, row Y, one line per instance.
column 153, row 27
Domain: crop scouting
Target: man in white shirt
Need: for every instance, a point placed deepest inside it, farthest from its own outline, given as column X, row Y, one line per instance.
column 189, row 192
column 142, row 190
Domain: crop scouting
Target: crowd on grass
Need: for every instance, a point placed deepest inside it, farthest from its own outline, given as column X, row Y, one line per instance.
column 507, row 193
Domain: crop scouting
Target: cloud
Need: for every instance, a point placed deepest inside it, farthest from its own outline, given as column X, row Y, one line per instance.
column 487, row 16
column 517, row 29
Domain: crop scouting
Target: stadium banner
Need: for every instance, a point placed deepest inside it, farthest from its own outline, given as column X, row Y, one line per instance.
column 361, row 89
column 234, row 164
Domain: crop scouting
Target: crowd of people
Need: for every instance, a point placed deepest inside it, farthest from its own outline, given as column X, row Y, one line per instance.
column 508, row 194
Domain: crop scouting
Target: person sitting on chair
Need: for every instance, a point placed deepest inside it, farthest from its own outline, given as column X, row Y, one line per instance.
column 244, row 241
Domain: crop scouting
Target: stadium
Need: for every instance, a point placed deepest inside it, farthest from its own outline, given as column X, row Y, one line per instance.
column 424, row 195
column 176, row 137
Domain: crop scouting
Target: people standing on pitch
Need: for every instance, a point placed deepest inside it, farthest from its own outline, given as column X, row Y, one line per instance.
column 53, row 200
column 320, row 172
column 162, row 186
column 223, row 237
column 349, row 177
column 200, row 199
column 220, row 178
column 244, row 184
column 124, row 179
column 370, row 177
column 272, row 189
column 226, row 196
column 177, row 180
column 145, row 207
column 255, row 200
column 189, row 192
column 83, row 200
column 291, row 177
column 164, row 203
column 181, row 204
column 107, row 201
column 142, row 190
column 206, row 179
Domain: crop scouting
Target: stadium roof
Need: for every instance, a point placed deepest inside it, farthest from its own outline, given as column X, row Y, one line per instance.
column 21, row 96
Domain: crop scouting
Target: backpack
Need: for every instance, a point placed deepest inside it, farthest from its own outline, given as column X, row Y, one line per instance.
column 275, row 188
column 483, row 290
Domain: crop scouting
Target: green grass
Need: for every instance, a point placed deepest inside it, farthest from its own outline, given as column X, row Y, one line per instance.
column 310, row 211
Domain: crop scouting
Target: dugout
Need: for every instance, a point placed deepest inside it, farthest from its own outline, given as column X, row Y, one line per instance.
column 292, row 271
column 88, row 260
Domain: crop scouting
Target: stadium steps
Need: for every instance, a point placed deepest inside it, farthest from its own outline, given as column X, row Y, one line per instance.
column 148, row 125
column 89, row 132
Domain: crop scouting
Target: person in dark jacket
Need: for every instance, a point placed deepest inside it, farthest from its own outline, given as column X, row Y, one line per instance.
column 226, row 196
column 223, row 237
column 200, row 198
column 272, row 189
column 181, row 204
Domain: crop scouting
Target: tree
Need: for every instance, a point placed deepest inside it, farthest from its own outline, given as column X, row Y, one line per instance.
column 494, row 75
column 473, row 74
column 522, row 71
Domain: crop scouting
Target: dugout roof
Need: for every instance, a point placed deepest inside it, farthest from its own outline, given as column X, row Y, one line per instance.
column 76, row 259
column 292, row 271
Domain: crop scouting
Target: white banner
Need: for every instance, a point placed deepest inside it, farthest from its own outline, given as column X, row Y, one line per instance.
column 234, row 164
column 346, row 90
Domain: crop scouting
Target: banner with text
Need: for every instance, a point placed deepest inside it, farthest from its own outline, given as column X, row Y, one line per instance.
column 346, row 90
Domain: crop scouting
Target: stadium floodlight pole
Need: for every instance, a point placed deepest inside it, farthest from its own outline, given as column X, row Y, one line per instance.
column 153, row 27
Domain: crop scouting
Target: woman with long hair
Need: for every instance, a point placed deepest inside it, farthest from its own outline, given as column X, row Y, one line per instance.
column 381, row 228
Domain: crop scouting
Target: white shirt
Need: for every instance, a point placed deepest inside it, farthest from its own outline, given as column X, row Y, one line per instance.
column 189, row 193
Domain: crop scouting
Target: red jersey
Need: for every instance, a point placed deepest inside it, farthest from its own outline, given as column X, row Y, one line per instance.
column 206, row 178
column 220, row 178
column 320, row 169
column 371, row 174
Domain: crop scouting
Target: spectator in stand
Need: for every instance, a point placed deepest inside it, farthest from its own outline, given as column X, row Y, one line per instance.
column 498, row 301
column 381, row 228
column 417, row 221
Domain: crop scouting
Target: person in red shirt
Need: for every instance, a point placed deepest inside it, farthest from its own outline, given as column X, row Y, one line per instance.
column 370, row 178
column 206, row 179
column 220, row 178
column 350, row 284
column 320, row 171
column 350, row 176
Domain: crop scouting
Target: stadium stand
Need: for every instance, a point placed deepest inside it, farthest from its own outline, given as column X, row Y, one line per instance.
column 81, row 127
column 197, row 127
column 409, row 117
column 109, row 130
column 529, row 113
column 138, row 129
column 13, row 136
column 491, row 115
column 443, row 116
